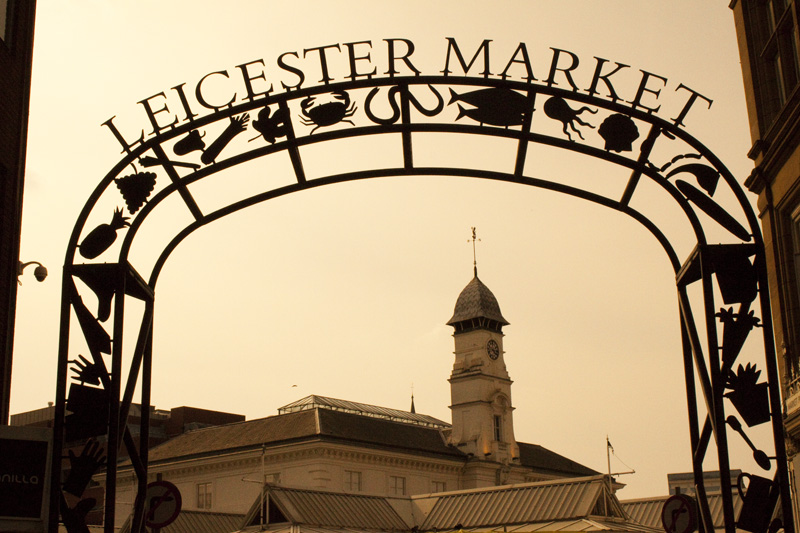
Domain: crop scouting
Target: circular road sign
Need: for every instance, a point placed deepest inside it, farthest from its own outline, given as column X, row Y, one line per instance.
column 163, row 504
column 679, row 514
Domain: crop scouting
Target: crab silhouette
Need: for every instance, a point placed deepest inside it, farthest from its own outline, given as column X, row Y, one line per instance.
column 558, row 109
column 334, row 109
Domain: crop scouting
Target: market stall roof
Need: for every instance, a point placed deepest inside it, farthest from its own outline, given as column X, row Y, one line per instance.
column 647, row 511
column 550, row 501
column 578, row 504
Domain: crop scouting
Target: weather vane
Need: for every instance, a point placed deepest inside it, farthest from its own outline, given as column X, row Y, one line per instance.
column 474, row 257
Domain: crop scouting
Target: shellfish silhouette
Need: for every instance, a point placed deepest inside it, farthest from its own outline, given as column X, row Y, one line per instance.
column 336, row 108
column 619, row 132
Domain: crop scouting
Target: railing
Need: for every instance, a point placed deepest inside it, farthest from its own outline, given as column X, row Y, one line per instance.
column 793, row 396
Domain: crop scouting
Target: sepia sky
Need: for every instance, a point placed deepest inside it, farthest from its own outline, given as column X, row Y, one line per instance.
column 344, row 290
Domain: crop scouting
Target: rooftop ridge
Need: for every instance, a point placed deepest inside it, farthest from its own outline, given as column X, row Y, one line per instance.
column 314, row 401
column 517, row 486
column 217, row 427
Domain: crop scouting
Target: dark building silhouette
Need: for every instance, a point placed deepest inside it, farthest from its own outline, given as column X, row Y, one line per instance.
column 16, row 53
column 164, row 425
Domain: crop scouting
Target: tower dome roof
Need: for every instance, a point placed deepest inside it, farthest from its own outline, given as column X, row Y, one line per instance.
column 476, row 301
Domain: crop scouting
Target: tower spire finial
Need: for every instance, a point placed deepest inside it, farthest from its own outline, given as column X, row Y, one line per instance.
column 474, row 239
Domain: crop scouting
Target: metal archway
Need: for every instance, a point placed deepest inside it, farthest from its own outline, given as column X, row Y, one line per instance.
column 405, row 110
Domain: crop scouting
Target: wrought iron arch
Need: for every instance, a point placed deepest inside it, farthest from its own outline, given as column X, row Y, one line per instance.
column 650, row 147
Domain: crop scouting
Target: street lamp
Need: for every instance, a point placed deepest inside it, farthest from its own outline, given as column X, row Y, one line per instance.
column 40, row 272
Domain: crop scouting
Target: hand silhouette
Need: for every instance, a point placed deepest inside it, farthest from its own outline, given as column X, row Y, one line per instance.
column 83, row 467
column 75, row 518
column 86, row 371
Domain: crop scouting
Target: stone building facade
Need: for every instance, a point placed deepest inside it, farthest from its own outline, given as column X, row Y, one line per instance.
column 769, row 48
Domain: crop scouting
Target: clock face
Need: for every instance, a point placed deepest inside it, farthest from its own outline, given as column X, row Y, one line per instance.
column 493, row 349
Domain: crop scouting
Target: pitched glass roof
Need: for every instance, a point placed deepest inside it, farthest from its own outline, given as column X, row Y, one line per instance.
column 319, row 508
column 566, row 499
column 374, row 411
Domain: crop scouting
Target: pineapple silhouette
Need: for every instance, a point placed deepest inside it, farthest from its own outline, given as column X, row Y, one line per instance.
column 103, row 236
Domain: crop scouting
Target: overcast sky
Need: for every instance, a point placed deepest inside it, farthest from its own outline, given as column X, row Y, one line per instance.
column 344, row 290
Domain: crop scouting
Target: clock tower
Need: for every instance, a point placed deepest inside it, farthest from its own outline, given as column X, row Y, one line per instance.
column 480, row 388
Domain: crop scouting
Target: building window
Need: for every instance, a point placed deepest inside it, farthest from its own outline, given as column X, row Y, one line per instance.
column 352, row 481
column 3, row 18
column 792, row 359
column 438, row 486
column 204, row 493
column 498, row 427
column 397, row 485
column 5, row 11
column 777, row 47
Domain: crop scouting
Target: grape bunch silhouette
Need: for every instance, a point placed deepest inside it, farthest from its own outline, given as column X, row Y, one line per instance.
column 136, row 188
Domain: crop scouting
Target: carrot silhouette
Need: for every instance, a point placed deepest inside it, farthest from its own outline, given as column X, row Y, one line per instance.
column 237, row 126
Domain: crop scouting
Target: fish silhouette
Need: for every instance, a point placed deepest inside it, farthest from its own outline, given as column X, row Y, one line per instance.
column 496, row 106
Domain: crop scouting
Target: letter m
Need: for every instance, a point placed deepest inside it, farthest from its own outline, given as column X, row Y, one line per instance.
column 452, row 45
